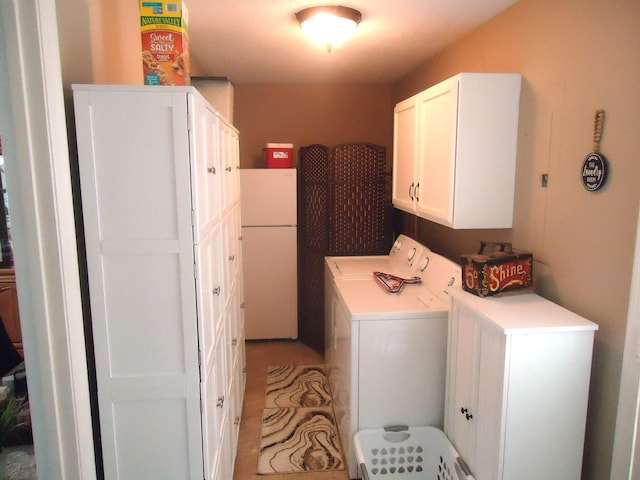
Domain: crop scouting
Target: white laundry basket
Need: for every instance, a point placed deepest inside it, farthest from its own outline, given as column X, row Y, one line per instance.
column 408, row 453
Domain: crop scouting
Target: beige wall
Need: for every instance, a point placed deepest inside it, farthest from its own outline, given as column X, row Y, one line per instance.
column 575, row 56
column 307, row 114
column 100, row 42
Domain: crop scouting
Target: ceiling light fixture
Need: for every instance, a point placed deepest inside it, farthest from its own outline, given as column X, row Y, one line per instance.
column 329, row 25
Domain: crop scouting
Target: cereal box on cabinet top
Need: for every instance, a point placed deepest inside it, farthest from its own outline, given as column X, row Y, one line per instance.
column 165, row 42
column 497, row 269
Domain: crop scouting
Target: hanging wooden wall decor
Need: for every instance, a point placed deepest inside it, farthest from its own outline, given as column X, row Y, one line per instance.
column 595, row 167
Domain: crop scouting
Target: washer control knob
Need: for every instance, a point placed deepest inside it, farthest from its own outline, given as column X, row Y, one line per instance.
column 424, row 263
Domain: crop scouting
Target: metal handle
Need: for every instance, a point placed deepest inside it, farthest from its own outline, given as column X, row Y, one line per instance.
column 234, row 342
column 236, row 421
column 504, row 246
column 211, row 170
column 228, row 169
column 216, row 291
column 232, row 258
column 411, row 190
column 365, row 473
column 417, row 191
column 462, row 465
column 396, row 428
column 465, row 412
column 220, row 401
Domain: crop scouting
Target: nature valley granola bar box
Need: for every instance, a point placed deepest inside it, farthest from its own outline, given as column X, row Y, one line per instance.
column 165, row 42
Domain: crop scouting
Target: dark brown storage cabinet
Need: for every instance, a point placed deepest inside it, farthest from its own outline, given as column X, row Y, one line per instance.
column 9, row 307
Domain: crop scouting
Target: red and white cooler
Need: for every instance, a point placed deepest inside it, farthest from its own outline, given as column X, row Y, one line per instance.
column 279, row 155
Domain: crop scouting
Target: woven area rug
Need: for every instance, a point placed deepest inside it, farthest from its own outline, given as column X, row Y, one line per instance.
column 299, row 431
column 297, row 386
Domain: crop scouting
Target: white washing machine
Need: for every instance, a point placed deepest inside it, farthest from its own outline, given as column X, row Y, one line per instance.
column 386, row 352
column 400, row 261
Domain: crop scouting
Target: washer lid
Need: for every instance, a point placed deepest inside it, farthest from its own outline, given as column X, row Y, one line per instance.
column 366, row 300
column 358, row 266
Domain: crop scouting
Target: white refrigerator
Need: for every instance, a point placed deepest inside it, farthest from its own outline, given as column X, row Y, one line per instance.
column 270, row 252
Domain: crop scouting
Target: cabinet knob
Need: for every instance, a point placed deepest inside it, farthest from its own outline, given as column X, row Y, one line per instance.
column 211, row 170
column 234, row 342
column 228, row 169
column 465, row 412
column 220, row 401
column 232, row 258
column 216, row 291
column 236, row 421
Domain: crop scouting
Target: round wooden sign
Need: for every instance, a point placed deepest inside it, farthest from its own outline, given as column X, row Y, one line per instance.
column 594, row 171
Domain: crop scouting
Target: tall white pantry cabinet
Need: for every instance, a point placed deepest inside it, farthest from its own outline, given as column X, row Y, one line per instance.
column 160, row 197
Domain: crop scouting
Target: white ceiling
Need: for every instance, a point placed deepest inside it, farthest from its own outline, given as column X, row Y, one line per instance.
column 260, row 41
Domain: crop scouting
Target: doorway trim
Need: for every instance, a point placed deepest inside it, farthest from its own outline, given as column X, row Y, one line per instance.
column 34, row 131
column 626, row 447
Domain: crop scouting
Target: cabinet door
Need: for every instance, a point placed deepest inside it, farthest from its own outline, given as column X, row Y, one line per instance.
column 210, row 329
column 10, row 314
column 475, row 392
column 404, row 154
column 134, row 158
column 462, row 382
column 234, row 153
column 205, row 166
column 237, row 378
column 209, row 292
column 214, row 408
column 231, row 256
column 229, row 161
column 490, row 407
column 437, row 151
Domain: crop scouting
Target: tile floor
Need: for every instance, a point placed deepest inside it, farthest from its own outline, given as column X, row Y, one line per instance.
column 259, row 356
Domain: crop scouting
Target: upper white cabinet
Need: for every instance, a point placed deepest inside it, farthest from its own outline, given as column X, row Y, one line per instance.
column 518, row 375
column 454, row 151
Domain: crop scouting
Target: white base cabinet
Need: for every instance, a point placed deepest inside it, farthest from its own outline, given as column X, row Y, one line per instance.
column 454, row 151
column 158, row 173
column 518, row 375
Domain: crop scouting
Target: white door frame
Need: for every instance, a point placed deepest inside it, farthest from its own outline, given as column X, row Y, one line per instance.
column 34, row 138
column 626, row 447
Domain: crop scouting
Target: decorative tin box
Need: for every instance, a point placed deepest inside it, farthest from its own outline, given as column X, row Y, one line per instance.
column 497, row 269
